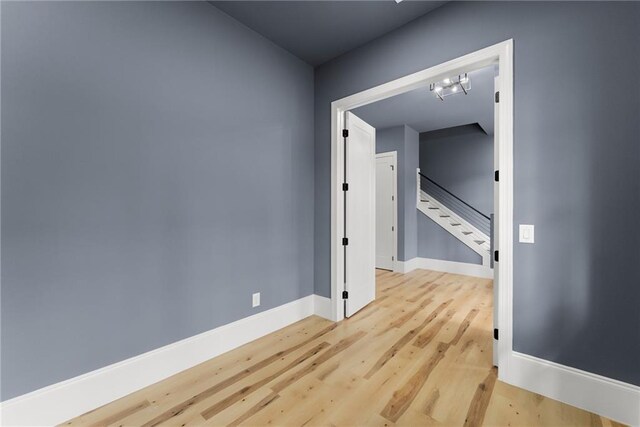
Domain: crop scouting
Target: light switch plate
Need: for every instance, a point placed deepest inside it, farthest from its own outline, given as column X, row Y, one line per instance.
column 255, row 300
column 527, row 233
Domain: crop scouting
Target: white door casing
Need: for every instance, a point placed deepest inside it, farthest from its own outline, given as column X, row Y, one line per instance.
column 496, row 217
column 360, row 224
column 386, row 199
column 500, row 54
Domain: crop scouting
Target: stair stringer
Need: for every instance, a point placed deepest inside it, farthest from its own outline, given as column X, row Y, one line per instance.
column 458, row 232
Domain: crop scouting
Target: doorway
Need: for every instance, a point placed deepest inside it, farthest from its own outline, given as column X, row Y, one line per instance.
column 386, row 210
column 499, row 55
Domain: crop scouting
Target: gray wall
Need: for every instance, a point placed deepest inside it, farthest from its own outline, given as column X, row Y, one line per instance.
column 404, row 140
column 157, row 168
column 576, row 290
column 435, row 242
column 461, row 160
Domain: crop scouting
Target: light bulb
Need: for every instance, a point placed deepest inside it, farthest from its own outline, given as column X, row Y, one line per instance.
column 447, row 81
column 438, row 89
column 454, row 89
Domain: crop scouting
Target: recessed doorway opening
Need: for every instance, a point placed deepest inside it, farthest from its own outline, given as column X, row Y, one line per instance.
column 352, row 269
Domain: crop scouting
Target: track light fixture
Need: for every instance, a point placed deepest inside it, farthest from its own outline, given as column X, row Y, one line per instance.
column 451, row 86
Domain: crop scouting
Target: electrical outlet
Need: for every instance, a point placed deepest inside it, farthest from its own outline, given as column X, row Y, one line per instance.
column 256, row 299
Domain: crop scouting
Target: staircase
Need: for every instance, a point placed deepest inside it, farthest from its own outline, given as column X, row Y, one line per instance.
column 462, row 220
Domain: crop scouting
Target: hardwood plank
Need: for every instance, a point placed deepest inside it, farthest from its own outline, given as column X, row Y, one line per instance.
column 399, row 321
column 480, row 402
column 178, row 409
column 404, row 340
column 426, row 337
column 244, row 391
column 341, row 346
column 255, row 409
column 403, row 397
column 428, row 409
column 464, row 326
column 120, row 415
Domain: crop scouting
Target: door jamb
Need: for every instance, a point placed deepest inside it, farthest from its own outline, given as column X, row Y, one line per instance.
column 500, row 54
column 394, row 159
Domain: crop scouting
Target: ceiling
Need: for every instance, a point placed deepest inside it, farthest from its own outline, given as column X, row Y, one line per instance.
column 317, row 31
column 422, row 111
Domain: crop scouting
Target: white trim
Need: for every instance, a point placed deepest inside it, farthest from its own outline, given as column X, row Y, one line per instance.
column 68, row 399
column 457, row 232
column 322, row 306
column 613, row 399
column 466, row 269
column 394, row 158
column 406, row 266
column 501, row 54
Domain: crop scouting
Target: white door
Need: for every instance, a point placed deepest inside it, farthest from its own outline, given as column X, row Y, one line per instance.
column 496, row 204
column 385, row 210
column 360, row 224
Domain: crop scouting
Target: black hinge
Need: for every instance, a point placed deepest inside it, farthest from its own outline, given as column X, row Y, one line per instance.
column 345, row 241
column 497, row 97
column 345, row 295
column 393, row 258
column 345, row 187
column 496, row 176
column 496, row 256
column 495, row 334
column 345, row 133
column 391, row 167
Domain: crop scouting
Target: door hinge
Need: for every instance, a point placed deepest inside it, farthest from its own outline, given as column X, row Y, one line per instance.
column 393, row 198
column 345, row 241
column 495, row 334
column 393, row 258
column 345, row 187
column 345, row 133
column 345, row 295
column 496, row 176
column 497, row 97
column 496, row 256
column 393, row 228
column 391, row 167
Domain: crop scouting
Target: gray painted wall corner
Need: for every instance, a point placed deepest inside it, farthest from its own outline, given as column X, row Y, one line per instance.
column 157, row 167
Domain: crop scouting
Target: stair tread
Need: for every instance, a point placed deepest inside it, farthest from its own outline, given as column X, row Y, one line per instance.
column 482, row 244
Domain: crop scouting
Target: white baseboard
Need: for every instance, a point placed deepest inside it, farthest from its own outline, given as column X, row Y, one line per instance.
column 322, row 307
column 463, row 268
column 68, row 399
column 65, row 400
column 604, row 396
column 406, row 266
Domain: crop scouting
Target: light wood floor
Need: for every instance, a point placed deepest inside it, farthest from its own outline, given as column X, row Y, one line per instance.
column 419, row 355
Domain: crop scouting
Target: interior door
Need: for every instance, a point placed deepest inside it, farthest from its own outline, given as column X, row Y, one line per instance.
column 385, row 210
column 496, row 218
column 360, row 224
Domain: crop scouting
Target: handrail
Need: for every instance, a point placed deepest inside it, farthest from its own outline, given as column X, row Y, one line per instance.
column 453, row 195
